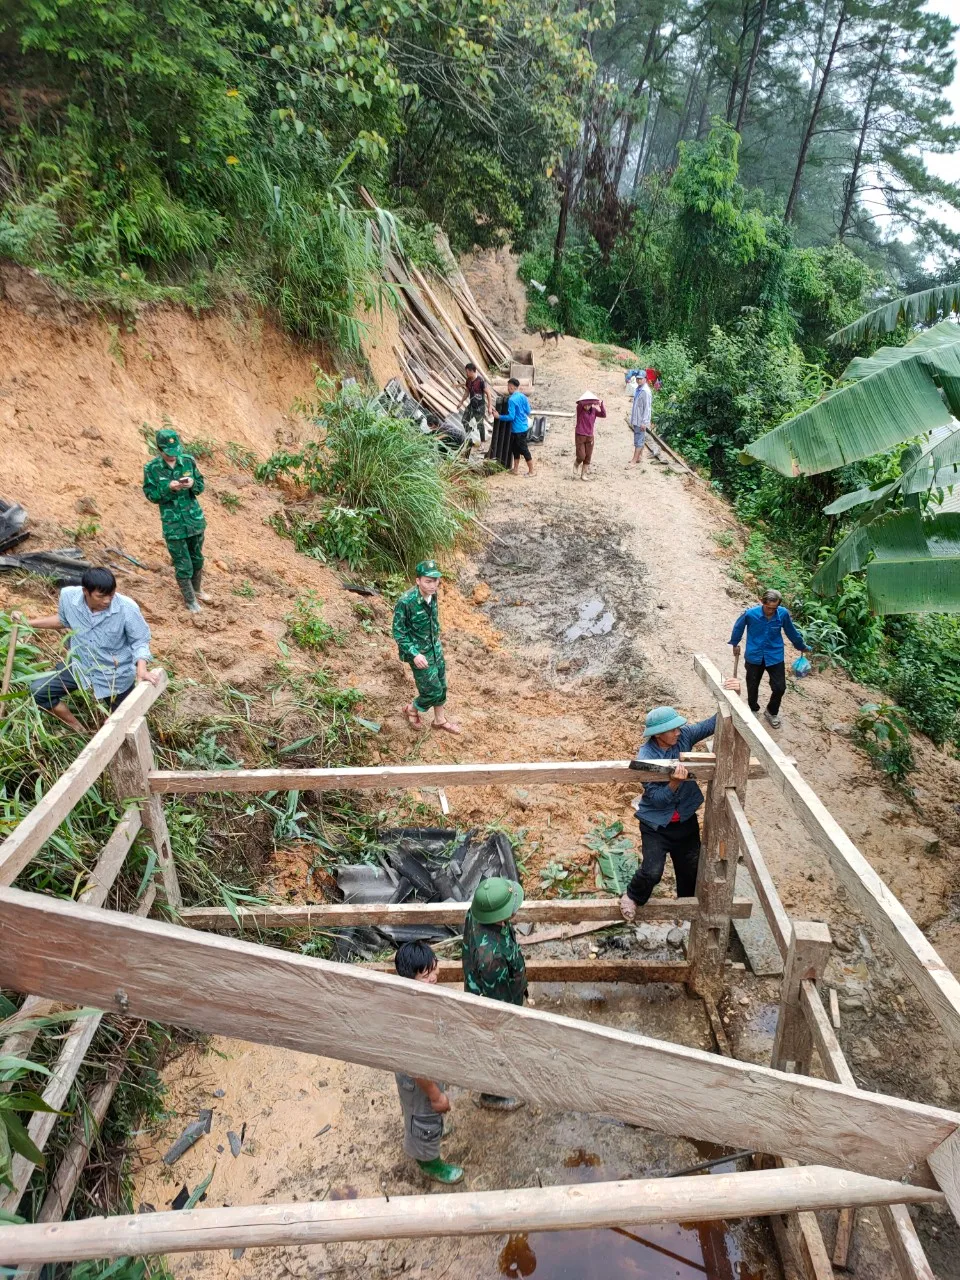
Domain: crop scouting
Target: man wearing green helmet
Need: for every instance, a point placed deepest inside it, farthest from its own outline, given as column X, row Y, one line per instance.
column 493, row 963
column 667, row 811
column 416, row 629
column 173, row 481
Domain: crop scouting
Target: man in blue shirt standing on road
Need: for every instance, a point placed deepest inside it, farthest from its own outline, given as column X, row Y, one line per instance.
column 765, row 624
column 518, row 415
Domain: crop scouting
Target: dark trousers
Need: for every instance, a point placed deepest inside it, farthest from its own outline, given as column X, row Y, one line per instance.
column 51, row 690
column 777, row 672
column 518, row 445
column 681, row 840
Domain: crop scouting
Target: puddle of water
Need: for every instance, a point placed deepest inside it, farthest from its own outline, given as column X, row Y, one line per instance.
column 667, row 1251
column 593, row 619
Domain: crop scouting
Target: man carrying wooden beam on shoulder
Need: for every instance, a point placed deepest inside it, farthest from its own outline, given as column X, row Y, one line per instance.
column 667, row 811
column 416, row 629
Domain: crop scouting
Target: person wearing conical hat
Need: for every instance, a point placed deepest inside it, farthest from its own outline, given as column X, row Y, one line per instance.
column 667, row 810
column 173, row 481
column 416, row 629
column 589, row 408
column 493, row 964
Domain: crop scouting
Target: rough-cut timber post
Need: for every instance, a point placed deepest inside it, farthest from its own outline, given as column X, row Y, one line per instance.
column 807, row 957
column 129, row 772
column 716, row 875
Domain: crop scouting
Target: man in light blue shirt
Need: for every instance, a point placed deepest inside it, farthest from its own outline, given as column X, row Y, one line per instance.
column 765, row 624
column 518, row 415
column 108, row 646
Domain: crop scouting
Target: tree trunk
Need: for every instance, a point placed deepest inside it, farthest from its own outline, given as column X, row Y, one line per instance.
column 814, row 114
column 566, row 198
column 703, row 124
column 635, row 96
column 850, row 192
column 688, row 105
column 745, row 93
column 645, row 163
column 817, row 55
column 735, row 78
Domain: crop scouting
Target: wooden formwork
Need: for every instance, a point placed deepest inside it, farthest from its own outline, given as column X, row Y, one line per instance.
column 859, row 1148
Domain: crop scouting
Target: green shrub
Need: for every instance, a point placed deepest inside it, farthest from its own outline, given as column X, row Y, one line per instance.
column 307, row 626
column 881, row 729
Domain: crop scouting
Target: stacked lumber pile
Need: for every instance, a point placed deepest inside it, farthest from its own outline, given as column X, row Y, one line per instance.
column 436, row 341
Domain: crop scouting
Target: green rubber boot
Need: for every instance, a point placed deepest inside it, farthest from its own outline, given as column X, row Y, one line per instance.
column 440, row 1171
column 203, row 596
column 189, row 596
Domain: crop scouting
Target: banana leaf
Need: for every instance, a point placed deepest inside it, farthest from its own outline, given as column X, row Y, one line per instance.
column 847, row 501
column 897, row 396
column 616, row 870
column 914, row 308
column 915, row 586
column 848, row 557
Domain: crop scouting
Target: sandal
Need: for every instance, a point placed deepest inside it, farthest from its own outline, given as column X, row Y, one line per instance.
column 447, row 725
column 413, row 716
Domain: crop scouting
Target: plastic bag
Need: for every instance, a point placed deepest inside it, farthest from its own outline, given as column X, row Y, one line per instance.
column 801, row 666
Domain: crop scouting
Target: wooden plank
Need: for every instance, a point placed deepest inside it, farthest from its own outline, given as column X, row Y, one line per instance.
column 834, row 1009
column 800, row 1237
column 846, row 1222
column 226, row 986
column 99, row 884
column 897, row 1224
column 936, row 985
column 766, row 890
column 564, row 931
column 569, row 772
column 571, row 971
column 642, row 1201
column 341, row 915
column 74, row 1159
column 129, row 771
column 904, row 1243
column 825, row 1042
column 717, row 868
column 945, row 1163
column 756, row 938
column 30, row 835
column 111, row 859
column 807, row 956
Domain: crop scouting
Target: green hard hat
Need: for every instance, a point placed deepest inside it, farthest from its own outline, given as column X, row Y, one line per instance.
column 168, row 442
column 428, row 569
column 660, row 720
column 495, row 899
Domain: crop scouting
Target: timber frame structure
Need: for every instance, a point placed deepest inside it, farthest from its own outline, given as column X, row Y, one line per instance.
column 858, row 1148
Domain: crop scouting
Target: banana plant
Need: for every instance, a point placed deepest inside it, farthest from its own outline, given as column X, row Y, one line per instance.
column 924, row 307
column 905, row 541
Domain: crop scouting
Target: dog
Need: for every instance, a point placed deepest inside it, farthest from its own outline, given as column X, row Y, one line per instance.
column 550, row 335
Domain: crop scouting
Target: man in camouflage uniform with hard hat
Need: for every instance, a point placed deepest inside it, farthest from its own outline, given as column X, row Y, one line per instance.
column 416, row 629
column 173, row 481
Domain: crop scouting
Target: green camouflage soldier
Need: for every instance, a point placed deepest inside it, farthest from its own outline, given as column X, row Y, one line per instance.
column 174, row 482
column 493, row 964
column 416, row 629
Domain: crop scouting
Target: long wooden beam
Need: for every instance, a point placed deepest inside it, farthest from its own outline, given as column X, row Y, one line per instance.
column 773, row 908
column 28, row 837
column 936, row 985
column 387, row 777
column 643, row 1201
column 343, row 915
column 226, row 986
column 574, row 971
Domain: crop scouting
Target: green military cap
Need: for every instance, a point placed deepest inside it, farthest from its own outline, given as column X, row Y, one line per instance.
column 168, row 442
column 428, row 569
column 496, row 899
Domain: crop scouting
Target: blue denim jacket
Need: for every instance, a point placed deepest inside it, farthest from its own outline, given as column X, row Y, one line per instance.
column 658, row 802
column 765, row 635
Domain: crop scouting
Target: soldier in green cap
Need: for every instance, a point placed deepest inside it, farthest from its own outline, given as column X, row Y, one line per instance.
column 416, row 629
column 173, row 481
column 492, row 960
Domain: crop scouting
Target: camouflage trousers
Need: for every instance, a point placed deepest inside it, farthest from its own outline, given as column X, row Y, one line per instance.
column 187, row 555
column 431, row 682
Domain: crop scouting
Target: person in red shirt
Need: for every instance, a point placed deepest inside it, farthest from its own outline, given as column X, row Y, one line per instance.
column 589, row 408
column 476, row 396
